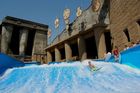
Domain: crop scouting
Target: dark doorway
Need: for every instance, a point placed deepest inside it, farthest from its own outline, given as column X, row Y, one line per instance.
column 53, row 56
column 14, row 44
column 74, row 48
column 30, row 42
column 127, row 34
column 138, row 22
column 62, row 51
column 108, row 41
column 91, row 48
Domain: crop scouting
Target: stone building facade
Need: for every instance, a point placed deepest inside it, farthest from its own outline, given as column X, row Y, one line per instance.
column 105, row 24
column 23, row 38
column 88, row 37
column 125, row 22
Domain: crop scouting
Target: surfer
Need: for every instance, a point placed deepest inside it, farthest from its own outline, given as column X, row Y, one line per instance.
column 91, row 66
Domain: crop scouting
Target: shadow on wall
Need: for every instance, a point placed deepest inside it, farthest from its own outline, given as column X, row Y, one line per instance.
column 8, row 62
column 104, row 11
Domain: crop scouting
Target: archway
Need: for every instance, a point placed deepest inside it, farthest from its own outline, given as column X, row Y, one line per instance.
column 14, row 44
column 30, row 41
column 53, row 56
column 62, row 52
column 91, row 48
column 75, row 52
column 108, row 41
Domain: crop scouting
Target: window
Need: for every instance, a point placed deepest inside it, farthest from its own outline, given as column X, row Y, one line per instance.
column 82, row 26
column 127, row 34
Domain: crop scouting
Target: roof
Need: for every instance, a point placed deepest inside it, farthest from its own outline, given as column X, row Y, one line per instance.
column 24, row 23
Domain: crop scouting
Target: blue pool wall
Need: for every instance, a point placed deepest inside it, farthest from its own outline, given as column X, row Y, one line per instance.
column 130, row 57
column 8, row 62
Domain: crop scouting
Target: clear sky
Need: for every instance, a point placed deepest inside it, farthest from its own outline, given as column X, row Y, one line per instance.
column 42, row 11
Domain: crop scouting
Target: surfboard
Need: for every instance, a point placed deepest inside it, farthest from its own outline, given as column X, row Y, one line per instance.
column 95, row 69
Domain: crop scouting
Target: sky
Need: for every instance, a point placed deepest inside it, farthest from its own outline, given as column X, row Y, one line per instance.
column 42, row 11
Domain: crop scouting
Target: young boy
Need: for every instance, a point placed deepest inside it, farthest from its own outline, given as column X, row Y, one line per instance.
column 91, row 66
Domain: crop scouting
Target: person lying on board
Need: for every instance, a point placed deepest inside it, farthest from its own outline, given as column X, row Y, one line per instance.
column 92, row 66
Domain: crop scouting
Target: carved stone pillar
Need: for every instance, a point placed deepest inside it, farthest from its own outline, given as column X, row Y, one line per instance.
column 49, row 57
column 68, row 51
column 57, row 55
column 82, row 48
column 40, row 42
column 100, row 41
column 23, row 41
column 102, row 46
column 6, row 37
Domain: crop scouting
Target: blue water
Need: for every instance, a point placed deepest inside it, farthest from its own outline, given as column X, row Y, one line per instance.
column 71, row 78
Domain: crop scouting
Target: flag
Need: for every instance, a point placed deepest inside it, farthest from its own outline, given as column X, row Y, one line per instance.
column 49, row 33
column 56, row 22
column 78, row 12
column 66, row 14
column 96, row 5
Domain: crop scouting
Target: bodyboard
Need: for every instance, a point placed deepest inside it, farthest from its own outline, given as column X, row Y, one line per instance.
column 95, row 69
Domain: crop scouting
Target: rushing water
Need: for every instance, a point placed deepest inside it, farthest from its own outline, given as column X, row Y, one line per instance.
column 71, row 78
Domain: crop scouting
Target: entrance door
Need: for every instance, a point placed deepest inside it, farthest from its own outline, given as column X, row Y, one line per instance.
column 91, row 48
column 108, row 41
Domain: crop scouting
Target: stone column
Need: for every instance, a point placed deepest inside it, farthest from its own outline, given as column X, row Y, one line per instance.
column 23, row 41
column 82, row 48
column 101, row 46
column 49, row 57
column 100, row 42
column 68, row 51
column 40, row 42
column 57, row 55
column 6, row 37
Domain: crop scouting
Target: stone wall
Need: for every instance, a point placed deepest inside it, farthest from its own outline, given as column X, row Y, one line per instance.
column 32, row 38
column 124, row 15
column 40, row 42
column 85, row 31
